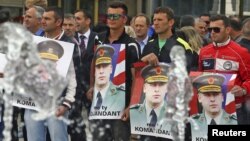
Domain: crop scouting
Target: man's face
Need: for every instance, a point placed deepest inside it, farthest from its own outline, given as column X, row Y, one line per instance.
column 30, row 20
column 200, row 28
column 102, row 74
column 161, row 23
column 69, row 26
column 206, row 19
column 141, row 27
column 116, row 18
column 211, row 102
column 82, row 23
column 155, row 93
column 49, row 23
column 220, row 33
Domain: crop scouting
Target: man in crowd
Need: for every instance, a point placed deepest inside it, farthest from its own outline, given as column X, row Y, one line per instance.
column 158, row 50
column 200, row 27
column 141, row 26
column 116, row 20
column 52, row 21
column 32, row 20
column 77, row 128
column 69, row 25
column 225, row 56
column 236, row 30
column 87, row 42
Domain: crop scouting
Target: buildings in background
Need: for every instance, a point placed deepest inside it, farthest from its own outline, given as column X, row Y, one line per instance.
column 99, row 7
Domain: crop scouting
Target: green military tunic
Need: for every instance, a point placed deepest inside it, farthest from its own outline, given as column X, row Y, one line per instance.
column 199, row 126
column 139, row 125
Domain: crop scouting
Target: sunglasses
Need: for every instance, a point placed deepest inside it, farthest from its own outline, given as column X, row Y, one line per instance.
column 114, row 16
column 215, row 29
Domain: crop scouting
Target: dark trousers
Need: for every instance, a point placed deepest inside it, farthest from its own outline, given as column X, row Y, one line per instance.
column 243, row 115
column 76, row 130
column 110, row 130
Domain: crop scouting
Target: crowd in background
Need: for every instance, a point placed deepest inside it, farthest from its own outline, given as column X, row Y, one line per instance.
column 207, row 41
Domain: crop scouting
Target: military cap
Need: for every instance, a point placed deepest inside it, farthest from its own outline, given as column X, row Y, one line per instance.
column 209, row 82
column 103, row 54
column 50, row 50
column 157, row 73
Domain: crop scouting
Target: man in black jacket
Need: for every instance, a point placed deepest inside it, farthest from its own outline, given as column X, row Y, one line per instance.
column 116, row 20
column 158, row 49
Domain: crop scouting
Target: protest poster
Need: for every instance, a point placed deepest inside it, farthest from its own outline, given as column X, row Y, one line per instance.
column 212, row 103
column 58, row 51
column 148, row 102
column 109, row 85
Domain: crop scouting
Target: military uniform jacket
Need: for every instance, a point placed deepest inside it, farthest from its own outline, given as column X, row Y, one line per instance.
column 139, row 125
column 112, row 105
column 201, row 122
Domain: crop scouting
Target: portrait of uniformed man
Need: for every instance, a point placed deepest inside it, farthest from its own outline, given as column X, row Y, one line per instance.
column 150, row 114
column 50, row 50
column 210, row 96
column 108, row 99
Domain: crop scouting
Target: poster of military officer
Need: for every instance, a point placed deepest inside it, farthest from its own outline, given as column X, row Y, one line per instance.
column 148, row 116
column 109, row 98
column 217, row 103
column 57, row 51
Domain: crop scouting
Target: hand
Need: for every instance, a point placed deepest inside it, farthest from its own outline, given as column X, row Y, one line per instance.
column 237, row 91
column 61, row 110
column 151, row 59
column 125, row 115
column 90, row 93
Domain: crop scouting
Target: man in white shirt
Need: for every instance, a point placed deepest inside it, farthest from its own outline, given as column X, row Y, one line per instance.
column 141, row 26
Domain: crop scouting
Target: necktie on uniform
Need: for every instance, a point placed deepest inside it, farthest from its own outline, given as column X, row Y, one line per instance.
column 99, row 101
column 212, row 122
column 82, row 45
column 153, row 120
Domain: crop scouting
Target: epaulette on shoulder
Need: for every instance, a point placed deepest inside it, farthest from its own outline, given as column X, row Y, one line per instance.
column 233, row 117
column 151, row 40
column 121, row 87
column 136, row 106
column 196, row 116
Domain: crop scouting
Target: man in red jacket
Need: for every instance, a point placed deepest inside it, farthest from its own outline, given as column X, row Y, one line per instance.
column 226, row 56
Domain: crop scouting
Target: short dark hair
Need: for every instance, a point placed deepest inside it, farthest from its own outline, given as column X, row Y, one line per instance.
column 167, row 10
column 86, row 14
column 187, row 20
column 235, row 25
column 58, row 12
column 145, row 16
column 121, row 5
column 205, row 14
column 69, row 16
column 221, row 17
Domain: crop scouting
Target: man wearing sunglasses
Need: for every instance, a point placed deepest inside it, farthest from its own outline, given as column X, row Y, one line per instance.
column 226, row 56
column 116, row 19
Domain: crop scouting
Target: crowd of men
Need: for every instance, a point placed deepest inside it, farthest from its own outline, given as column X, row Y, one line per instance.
column 224, row 48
